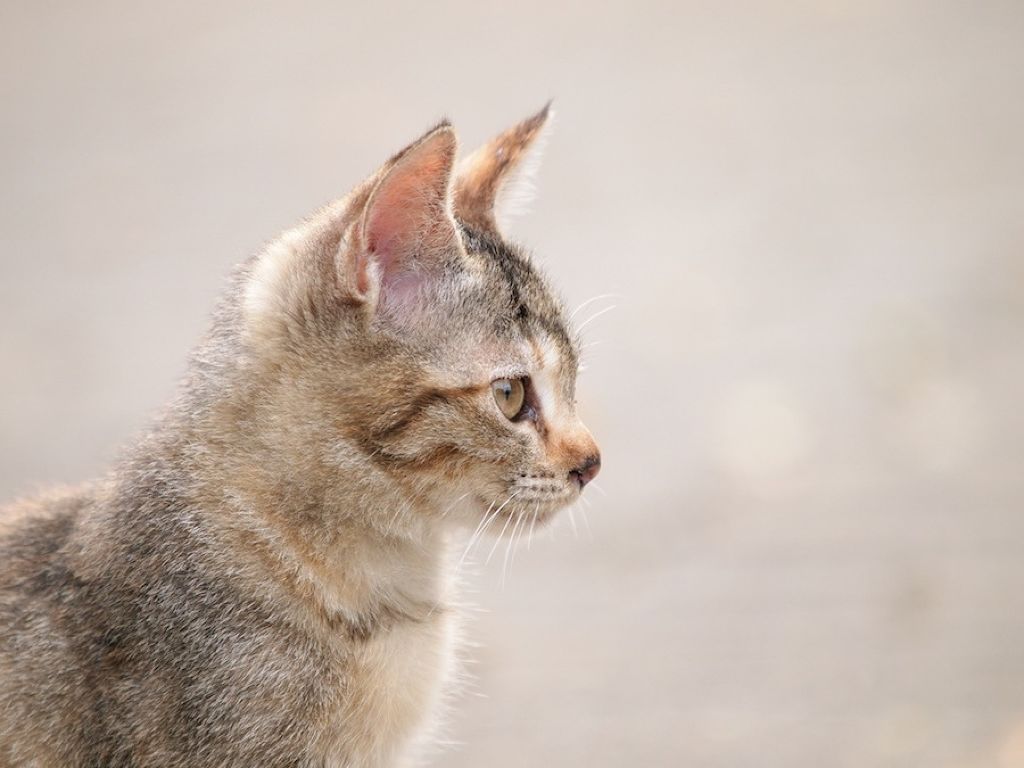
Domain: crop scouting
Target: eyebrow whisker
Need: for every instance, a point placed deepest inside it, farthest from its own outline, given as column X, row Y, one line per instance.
column 591, row 300
column 594, row 317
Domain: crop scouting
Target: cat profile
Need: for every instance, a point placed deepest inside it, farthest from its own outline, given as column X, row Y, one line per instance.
column 265, row 578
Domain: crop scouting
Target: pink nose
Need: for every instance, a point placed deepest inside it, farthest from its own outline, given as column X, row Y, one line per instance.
column 586, row 471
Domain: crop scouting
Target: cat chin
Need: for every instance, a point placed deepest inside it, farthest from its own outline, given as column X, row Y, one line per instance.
column 541, row 516
column 535, row 512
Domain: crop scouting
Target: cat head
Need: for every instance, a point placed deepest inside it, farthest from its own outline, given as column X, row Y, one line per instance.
column 413, row 348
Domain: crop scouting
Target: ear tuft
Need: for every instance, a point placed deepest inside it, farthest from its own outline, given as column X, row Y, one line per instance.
column 496, row 181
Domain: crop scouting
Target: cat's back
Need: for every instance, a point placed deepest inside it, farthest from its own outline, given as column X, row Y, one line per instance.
column 34, row 535
column 116, row 646
column 35, row 587
column 125, row 642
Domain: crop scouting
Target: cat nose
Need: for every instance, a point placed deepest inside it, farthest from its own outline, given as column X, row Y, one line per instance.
column 586, row 471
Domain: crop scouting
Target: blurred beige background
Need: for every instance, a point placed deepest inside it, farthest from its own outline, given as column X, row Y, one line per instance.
column 808, row 550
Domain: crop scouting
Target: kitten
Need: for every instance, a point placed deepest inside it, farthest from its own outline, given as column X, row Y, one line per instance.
column 264, row 580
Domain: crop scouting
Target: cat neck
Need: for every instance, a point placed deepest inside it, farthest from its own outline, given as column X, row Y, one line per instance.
column 332, row 536
column 295, row 500
column 356, row 552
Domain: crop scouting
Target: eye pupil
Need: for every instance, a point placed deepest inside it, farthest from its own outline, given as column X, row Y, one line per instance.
column 509, row 394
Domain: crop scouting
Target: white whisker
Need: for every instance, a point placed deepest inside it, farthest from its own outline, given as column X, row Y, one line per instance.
column 392, row 525
column 590, row 301
column 455, row 504
column 594, row 317
column 515, row 546
column 586, row 522
column 485, row 521
column 510, row 547
column 503, row 529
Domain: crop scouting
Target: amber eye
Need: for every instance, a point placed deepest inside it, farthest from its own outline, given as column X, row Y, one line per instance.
column 509, row 394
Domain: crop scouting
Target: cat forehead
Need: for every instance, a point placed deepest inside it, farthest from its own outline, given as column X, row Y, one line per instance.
column 540, row 358
column 526, row 308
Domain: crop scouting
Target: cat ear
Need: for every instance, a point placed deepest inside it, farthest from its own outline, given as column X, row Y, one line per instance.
column 495, row 181
column 406, row 231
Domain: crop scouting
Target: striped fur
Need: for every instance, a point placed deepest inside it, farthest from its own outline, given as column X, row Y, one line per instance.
column 264, row 579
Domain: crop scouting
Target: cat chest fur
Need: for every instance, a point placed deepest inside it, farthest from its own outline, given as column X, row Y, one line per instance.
column 395, row 677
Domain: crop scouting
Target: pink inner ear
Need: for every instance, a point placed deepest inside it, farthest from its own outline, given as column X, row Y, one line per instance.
column 410, row 200
column 394, row 218
column 400, row 238
column 407, row 226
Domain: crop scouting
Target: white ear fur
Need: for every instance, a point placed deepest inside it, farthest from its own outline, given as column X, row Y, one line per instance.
column 496, row 181
column 518, row 189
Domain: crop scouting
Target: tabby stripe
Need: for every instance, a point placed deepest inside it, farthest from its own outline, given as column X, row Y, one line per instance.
column 437, row 455
column 418, row 407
